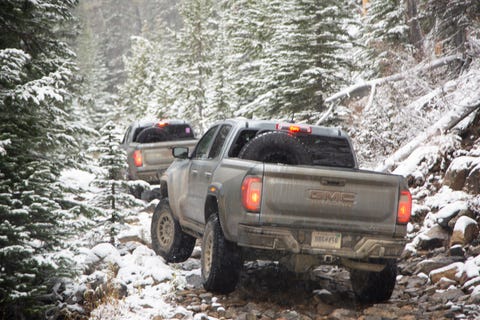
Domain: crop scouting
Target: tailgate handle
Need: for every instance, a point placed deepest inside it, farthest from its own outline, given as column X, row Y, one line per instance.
column 333, row 182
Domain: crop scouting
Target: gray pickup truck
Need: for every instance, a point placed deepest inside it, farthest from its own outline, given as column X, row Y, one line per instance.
column 149, row 144
column 283, row 192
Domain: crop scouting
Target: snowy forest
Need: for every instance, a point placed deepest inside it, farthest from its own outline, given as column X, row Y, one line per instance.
column 402, row 77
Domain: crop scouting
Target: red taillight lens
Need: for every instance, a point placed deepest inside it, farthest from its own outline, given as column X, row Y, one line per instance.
column 252, row 193
column 404, row 207
column 294, row 128
column 137, row 158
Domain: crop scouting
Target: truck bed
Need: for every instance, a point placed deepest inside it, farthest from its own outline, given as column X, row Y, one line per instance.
column 156, row 157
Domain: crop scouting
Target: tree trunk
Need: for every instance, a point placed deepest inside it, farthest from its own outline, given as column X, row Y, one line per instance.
column 415, row 33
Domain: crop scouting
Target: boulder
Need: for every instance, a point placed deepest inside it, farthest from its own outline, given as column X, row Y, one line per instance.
column 471, row 284
column 450, row 211
column 450, row 295
column 464, row 212
column 453, row 272
column 465, row 230
column 434, row 237
column 102, row 254
column 458, row 171
column 472, row 184
column 457, row 250
column 427, row 266
column 324, row 309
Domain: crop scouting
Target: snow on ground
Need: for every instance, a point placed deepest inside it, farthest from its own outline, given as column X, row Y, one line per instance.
column 144, row 283
column 77, row 179
column 129, row 270
column 148, row 282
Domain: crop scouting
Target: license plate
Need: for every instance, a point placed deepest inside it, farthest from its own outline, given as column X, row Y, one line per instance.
column 326, row 240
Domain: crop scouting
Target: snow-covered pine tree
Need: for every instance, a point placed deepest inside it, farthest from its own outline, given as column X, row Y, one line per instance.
column 195, row 59
column 149, row 90
column 137, row 93
column 122, row 20
column 385, row 35
column 221, row 97
column 283, row 56
column 94, row 102
column 35, row 77
column 113, row 196
column 308, row 56
column 451, row 21
column 249, row 30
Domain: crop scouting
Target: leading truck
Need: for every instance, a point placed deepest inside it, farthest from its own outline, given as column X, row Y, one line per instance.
column 285, row 192
column 148, row 144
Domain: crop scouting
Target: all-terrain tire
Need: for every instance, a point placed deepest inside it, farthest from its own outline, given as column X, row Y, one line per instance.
column 168, row 239
column 221, row 259
column 276, row 147
column 374, row 287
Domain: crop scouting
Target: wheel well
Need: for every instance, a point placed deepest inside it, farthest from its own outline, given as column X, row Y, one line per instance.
column 211, row 207
column 163, row 189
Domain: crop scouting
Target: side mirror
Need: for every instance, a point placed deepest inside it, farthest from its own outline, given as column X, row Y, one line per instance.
column 180, row 152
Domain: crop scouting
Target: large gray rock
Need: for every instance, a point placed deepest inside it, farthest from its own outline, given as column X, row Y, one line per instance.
column 453, row 272
column 465, row 230
column 457, row 172
column 450, row 211
column 428, row 265
column 433, row 238
column 472, row 184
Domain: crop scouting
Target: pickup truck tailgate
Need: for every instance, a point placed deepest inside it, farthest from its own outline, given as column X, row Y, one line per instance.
column 159, row 154
column 329, row 199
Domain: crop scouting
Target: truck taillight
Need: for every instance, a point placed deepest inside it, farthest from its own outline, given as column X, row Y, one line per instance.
column 137, row 158
column 404, row 207
column 252, row 193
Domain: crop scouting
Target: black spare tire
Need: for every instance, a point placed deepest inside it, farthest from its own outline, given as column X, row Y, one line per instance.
column 276, row 147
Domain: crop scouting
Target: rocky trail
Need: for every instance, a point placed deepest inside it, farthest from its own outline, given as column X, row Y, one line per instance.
column 438, row 274
column 268, row 291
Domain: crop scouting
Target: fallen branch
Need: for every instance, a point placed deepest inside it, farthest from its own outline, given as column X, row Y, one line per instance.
column 467, row 93
column 446, row 123
column 370, row 98
column 362, row 89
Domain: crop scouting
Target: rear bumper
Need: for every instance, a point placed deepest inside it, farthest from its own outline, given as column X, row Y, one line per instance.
column 353, row 246
column 150, row 175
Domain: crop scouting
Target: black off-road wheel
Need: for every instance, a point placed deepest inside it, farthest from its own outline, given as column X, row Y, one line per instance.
column 374, row 287
column 276, row 147
column 221, row 259
column 168, row 239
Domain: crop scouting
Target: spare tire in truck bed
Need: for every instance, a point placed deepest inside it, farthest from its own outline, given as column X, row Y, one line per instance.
column 276, row 147
column 152, row 134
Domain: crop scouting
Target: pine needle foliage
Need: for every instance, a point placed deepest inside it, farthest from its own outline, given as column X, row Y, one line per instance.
column 37, row 73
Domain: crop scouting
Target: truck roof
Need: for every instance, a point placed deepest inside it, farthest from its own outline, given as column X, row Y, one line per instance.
column 272, row 125
column 151, row 122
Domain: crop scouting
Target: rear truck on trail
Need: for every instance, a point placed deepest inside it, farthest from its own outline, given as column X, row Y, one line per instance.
column 149, row 144
column 263, row 190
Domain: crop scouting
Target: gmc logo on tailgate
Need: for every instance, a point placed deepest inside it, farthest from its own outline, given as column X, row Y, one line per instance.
column 335, row 198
